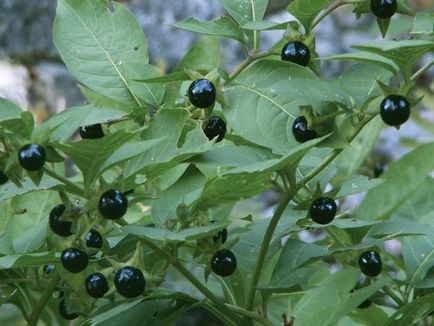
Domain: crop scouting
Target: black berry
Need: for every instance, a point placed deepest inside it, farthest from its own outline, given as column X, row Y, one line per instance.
column 3, row 178
column 216, row 127
column 74, row 260
column 365, row 304
column 113, row 204
column 224, row 262
column 49, row 268
column 301, row 131
column 94, row 239
column 395, row 110
column 62, row 228
column 64, row 313
column 370, row 263
column 202, row 93
column 130, row 282
column 32, row 157
column 383, row 8
column 96, row 285
column 323, row 210
column 92, row 131
column 296, row 52
column 221, row 235
column 378, row 169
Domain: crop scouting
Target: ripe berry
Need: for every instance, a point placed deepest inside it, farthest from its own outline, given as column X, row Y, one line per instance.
column 3, row 178
column 49, row 268
column 301, row 131
column 222, row 235
column 130, row 282
column 94, row 239
column 91, row 132
column 202, row 93
column 216, row 127
column 96, row 285
column 64, row 313
column 74, row 260
column 32, row 157
column 113, row 204
column 323, row 210
column 383, row 8
column 224, row 262
column 395, row 110
column 378, row 169
column 370, row 263
column 365, row 304
column 296, row 52
column 62, row 228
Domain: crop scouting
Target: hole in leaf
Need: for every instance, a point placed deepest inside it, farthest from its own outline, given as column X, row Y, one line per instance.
column 136, row 48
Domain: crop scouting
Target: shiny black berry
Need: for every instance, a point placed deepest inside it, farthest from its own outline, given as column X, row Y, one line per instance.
column 224, row 262
column 96, row 285
column 74, row 260
column 378, row 169
column 365, row 304
column 216, row 127
column 221, row 235
column 64, row 313
column 113, row 204
column 92, row 131
column 323, row 210
column 383, row 8
column 32, row 157
column 202, row 93
column 94, row 239
column 130, row 282
column 49, row 268
column 301, row 131
column 62, row 228
column 296, row 52
column 3, row 178
column 370, row 263
column 395, row 110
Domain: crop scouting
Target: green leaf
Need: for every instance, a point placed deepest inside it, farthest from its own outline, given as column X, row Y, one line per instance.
column 404, row 53
column 418, row 254
column 10, row 190
column 222, row 26
column 383, row 25
column 307, row 10
column 412, row 313
column 95, row 42
column 26, row 260
column 423, row 24
column 62, row 126
column 245, row 11
column 193, row 233
column 402, row 177
column 9, row 110
column 185, row 191
column 203, row 55
column 264, row 26
column 357, row 184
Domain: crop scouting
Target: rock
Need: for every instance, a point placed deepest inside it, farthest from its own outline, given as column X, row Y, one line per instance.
column 14, row 80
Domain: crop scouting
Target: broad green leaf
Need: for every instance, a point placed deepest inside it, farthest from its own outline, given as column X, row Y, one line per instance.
column 403, row 53
column 245, row 11
column 423, row 24
column 26, row 260
column 306, row 10
column 267, row 73
column 288, row 281
column 193, row 233
column 10, row 190
column 62, row 126
column 413, row 313
column 185, row 191
column 357, row 184
column 264, row 26
column 418, row 254
column 402, row 179
column 95, row 40
column 170, row 78
column 9, row 110
column 223, row 26
column 398, row 227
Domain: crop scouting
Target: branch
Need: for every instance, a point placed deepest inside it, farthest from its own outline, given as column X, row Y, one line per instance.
column 71, row 185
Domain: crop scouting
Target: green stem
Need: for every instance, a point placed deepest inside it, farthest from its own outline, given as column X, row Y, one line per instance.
column 335, row 238
column 328, row 12
column 422, row 70
column 37, row 310
column 69, row 184
column 320, row 119
column 279, row 211
column 190, row 277
column 249, row 314
column 393, row 295
column 248, row 62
